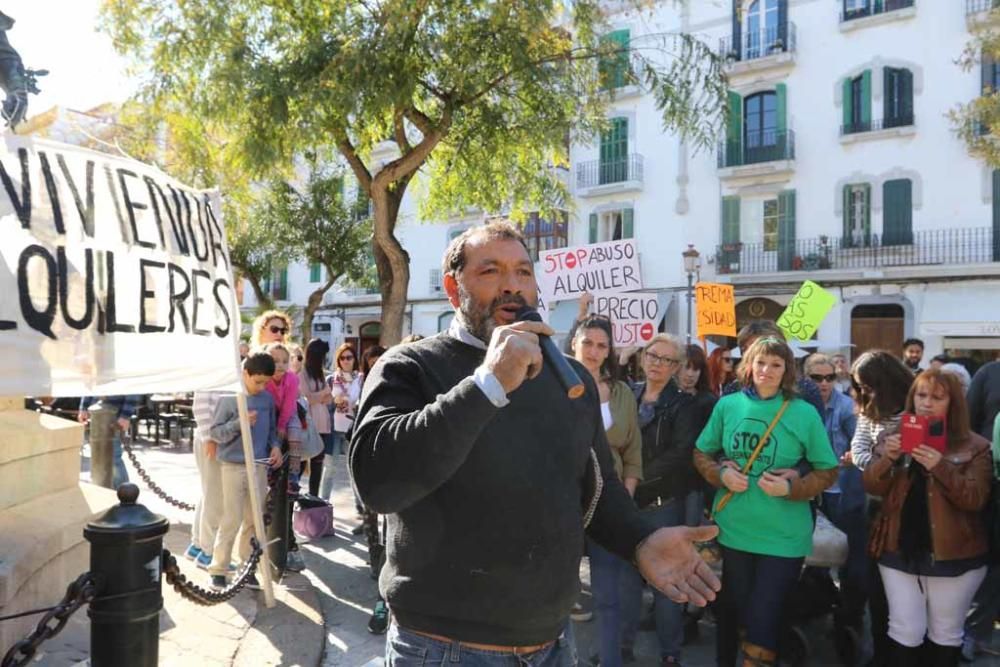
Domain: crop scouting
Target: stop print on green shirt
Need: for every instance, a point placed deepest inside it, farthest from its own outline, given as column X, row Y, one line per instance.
column 754, row 521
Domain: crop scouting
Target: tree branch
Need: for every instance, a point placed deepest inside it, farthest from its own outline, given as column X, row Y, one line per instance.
column 409, row 163
column 400, row 132
column 347, row 149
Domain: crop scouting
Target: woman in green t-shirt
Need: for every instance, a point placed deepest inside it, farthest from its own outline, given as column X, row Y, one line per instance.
column 765, row 525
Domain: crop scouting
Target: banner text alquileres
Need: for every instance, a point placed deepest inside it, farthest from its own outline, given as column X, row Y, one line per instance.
column 158, row 224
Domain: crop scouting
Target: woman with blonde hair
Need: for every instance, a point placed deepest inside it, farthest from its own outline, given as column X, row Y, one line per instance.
column 930, row 538
column 271, row 326
column 765, row 523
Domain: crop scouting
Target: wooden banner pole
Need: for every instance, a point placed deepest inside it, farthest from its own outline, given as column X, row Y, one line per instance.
column 264, row 566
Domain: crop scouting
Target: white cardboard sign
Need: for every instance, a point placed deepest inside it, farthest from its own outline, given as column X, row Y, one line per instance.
column 634, row 316
column 599, row 268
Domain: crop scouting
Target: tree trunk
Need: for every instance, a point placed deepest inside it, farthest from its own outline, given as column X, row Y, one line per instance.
column 263, row 298
column 312, row 304
column 393, row 264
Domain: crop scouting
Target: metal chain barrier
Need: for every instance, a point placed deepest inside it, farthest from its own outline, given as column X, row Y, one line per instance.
column 153, row 486
column 80, row 592
column 198, row 595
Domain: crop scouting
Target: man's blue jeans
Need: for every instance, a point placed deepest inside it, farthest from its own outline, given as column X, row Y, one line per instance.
column 409, row 649
column 668, row 614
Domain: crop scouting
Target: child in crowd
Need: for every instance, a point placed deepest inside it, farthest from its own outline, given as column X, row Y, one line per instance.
column 226, row 445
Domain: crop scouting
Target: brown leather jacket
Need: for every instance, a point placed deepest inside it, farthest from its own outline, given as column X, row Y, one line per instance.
column 957, row 490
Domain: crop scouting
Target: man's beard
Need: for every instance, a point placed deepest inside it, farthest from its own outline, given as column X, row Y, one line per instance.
column 478, row 317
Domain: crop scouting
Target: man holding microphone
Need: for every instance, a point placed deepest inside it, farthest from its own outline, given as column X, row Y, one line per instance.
column 491, row 474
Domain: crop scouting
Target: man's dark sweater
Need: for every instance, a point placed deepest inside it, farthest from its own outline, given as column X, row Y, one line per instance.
column 485, row 504
column 984, row 399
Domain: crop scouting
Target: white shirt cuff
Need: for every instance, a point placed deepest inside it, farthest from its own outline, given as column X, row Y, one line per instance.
column 490, row 385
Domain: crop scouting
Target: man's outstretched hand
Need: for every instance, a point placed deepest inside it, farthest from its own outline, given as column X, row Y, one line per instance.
column 668, row 560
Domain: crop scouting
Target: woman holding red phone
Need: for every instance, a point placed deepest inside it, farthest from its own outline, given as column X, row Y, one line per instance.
column 929, row 538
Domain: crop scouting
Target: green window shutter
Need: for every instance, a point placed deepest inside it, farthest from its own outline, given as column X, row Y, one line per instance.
column 868, row 214
column 282, row 291
column 786, row 230
column 315, row 272
column 734, row 128
column 897, row 207
column 906, row 95
column 866, row 96
column 613, row 164
column 730, row 220
column 592, row 231
column 613, row 68
column 846, row 195
column 847, row 104
column 781, row 92
column 628, row 226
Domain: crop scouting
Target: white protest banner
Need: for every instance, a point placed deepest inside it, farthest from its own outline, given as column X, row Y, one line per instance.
column 599, row 268
column 114, row 277
column 634, row 316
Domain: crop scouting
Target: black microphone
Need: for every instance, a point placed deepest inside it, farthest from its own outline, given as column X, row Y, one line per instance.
column 556, row 360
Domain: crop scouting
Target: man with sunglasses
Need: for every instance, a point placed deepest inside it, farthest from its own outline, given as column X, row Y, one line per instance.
column 844, row 502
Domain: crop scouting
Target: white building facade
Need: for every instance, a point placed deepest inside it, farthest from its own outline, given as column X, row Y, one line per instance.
column 838, row 164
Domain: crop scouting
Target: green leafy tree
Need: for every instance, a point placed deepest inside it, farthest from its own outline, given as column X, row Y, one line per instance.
column 321, row 228
column 977, row 122
column 481, row 96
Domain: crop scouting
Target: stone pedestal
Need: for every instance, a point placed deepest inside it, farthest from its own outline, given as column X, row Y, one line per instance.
column 43, row 509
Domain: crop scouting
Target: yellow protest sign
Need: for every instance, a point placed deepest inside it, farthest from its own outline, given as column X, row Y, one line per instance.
column 716, row 309
column 806, row 311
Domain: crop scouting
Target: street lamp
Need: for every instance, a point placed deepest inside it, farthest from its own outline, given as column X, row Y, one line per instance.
column 692, row 263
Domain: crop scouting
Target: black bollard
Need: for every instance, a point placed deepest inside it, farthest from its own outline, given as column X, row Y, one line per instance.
column 277, row 530
column 126, row 554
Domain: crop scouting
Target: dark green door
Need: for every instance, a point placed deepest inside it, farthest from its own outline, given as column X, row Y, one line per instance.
column 613, row 166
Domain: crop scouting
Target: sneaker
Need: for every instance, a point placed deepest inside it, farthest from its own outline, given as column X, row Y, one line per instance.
column 379, row 621
column 252, row 583
column 294, row 562
column 218, row 581
column 192, row 552
column 203, row 560
column 579, row 614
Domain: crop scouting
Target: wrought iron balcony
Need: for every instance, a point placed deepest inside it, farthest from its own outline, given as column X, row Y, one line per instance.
column 977, row 6
column 757, row 147
column 876, row 125
column 759, row 43
column 873, row 8
column 976, row 245
column 607, row 172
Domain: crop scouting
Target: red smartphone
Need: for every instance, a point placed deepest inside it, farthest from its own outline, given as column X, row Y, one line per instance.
column 918, row 430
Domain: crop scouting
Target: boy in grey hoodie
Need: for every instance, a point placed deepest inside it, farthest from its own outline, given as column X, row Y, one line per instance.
column 227, row 446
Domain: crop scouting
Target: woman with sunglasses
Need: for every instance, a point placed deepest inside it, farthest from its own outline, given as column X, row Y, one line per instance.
column 345, row 390
column 880, row 383
column 271, row 326
column 764, row 518
column 669, row 430
column 720, row 370
column 844, row 502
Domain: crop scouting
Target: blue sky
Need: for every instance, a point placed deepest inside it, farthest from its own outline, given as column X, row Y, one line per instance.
column 61, row 36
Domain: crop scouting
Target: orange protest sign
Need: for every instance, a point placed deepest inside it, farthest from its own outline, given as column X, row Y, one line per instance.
column 716, row 308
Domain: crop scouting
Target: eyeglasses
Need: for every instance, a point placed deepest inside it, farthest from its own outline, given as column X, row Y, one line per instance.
column 657, row 360
column 299, row 357
column 347, row 357
column 278, row 330
column 816, row 377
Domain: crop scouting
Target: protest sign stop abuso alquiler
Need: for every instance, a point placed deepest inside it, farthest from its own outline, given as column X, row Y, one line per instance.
column 115, row 278
column 598, row 268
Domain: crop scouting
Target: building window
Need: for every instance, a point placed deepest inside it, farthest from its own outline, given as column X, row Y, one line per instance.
column 762, row 28
column 857, row 215
column 279, row 284
column 897, row 212
column 898, row 109
column 544, row 234
column 612, row 225
column 315, row 272
column 613, row 68
column 760, row 126
column 770, row 225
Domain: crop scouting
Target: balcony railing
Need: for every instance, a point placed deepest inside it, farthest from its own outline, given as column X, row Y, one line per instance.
column 977, row 6
column 756, row 147
column 871, row 8
column 605, row 172
column 932, row 247
column 876, row 125
column 760, row 43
